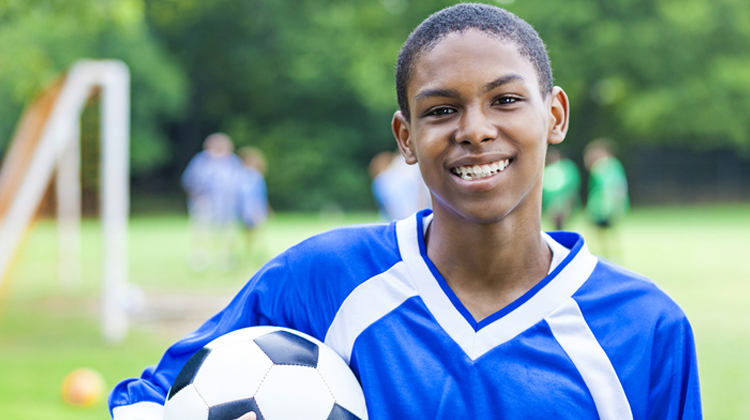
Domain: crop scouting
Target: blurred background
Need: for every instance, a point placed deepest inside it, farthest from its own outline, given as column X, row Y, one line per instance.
column 310, row 83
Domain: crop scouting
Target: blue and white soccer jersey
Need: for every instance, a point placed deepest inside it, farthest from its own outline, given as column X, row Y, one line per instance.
column 591, row 340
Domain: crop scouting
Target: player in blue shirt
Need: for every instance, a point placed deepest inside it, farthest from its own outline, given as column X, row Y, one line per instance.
column 398, row 188
column 253, row 200
column 251, row 188
column 210, row 181
column 469, row 310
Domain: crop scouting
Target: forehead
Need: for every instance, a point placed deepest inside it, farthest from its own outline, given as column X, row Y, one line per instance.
column 469, row 55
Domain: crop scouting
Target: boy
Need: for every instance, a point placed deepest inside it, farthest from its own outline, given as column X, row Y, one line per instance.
column 608, row 193
column 210, row 180
column 252, row 198
column 560, row 188
column 469, row 311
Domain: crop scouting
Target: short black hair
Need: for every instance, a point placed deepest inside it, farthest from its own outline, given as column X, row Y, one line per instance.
column 459, row 18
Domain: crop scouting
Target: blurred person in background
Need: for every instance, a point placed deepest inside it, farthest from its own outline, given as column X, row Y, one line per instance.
column 607, row 193
column 378, row 166
column 398, row 188
column 252, row 197
column 210, row 181
column 560, row 188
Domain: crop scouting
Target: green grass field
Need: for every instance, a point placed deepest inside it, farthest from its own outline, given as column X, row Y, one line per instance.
column 695, row 253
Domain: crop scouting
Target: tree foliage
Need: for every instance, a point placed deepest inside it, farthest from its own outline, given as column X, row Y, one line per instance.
column 40, row 39
column 310, row 82
column 652, row 71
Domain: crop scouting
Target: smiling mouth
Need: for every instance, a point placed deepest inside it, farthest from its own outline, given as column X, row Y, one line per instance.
column 473, row 172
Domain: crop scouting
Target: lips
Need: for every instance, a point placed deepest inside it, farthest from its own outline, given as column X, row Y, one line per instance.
column 473, row 172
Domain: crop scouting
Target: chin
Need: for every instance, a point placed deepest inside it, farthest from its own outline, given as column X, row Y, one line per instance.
column 488, row 219
column 485, row 213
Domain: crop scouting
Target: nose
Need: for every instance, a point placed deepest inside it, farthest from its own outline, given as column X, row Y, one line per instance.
column 475, row 127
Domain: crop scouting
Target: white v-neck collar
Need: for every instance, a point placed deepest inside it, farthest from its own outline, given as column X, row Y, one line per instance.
column 566, row 275
column 559, row 252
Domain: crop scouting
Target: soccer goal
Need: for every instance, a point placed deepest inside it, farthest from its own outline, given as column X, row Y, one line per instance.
column 47, row 142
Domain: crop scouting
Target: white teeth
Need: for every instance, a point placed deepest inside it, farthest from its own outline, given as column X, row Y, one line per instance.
column 481, row 171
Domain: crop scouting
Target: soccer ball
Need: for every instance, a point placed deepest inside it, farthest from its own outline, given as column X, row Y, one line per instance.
column 278, row 373
column 83, row 387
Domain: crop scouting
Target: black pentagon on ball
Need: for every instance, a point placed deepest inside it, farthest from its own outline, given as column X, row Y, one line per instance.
column 285, row 348
column 233, row 410
column 188, row 372
column 340, row 413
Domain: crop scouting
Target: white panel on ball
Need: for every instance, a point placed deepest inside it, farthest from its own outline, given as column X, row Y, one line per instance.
column 239, row 379
column 343, row 384
column 305, row 395
column 186, row 405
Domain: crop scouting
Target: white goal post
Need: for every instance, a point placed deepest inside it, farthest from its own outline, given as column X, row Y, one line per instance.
column 58, row 149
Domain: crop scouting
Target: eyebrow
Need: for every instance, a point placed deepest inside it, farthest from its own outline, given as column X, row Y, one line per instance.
column 431, row 93
column 451, row 93
column 504, row 80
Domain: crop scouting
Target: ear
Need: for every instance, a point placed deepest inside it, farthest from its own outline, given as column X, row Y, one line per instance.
column 402, row 133
column 559, row 116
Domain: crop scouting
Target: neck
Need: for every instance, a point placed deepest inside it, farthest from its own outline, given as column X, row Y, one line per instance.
column 488, row 265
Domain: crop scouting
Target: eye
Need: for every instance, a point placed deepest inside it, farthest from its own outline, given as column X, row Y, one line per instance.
column 505, row 100
column 439, row 112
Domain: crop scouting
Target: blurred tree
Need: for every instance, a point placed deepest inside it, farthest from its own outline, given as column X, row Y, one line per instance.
column 651, row 71
column 42, row 38
column 310, row 82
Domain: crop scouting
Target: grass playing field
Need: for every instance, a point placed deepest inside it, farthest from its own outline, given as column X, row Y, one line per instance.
column 695, row 253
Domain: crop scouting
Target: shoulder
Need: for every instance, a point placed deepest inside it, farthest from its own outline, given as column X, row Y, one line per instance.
column 304, row 286
column 341, row 258
column 647, row 338
column 198, row 159
column 625, row 300
column 350, row 245
column 235, row 160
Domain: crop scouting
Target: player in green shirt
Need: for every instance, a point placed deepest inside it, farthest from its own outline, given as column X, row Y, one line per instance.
column 608, row 190
column 560, row 188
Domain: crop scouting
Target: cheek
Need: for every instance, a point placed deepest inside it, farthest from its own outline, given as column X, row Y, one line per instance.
column 524, row 122
column 531, row 130
column 429, row 146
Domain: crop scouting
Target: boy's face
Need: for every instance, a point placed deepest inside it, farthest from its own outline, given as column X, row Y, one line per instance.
column 479, row 127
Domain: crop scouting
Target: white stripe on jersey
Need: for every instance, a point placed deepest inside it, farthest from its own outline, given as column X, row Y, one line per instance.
column 574, row 335
column 369, row 302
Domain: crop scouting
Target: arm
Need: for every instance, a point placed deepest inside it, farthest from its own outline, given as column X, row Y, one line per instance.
column 256, row 304
column 300, row 289
column 674, row 392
